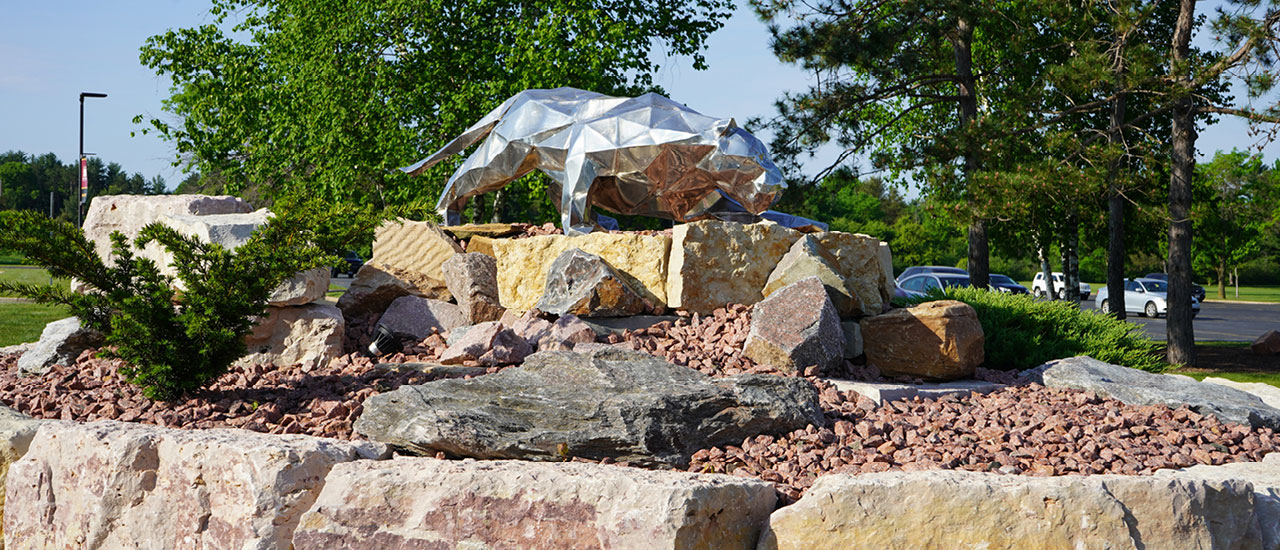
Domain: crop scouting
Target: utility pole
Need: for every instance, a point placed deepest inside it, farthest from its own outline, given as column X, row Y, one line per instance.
column 84, row 165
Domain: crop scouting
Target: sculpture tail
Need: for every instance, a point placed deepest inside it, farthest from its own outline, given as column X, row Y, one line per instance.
column 474, row 134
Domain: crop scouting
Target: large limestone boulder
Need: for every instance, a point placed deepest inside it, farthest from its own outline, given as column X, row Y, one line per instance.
column 1263, row 476
column 808, row 258
column 128, row 214
column 60, row 343
column 489, row 230
column 940, row 340
column 109, row 485
column 297, row 334
column 413, row 318
column 1267, row 344
column 714, row 262
column 796, row 327
column 523, row 264
column 609, row 403
column 228, row 230
column 472, row 278
column 583, row 284
column 428, row 503
column 16, row 432
column 417, row 248
column 1143, row 388
column 231, row 231
column 960, row 509
column 859, row 263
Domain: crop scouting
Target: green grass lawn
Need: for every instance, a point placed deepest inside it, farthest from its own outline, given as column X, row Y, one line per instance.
column 11, row 258
column 10, row 273
column 22, row 322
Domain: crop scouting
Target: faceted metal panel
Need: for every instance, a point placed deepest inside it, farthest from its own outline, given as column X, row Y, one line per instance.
column 644, row 155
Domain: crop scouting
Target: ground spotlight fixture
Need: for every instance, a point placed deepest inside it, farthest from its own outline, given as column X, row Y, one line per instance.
column 384, row 342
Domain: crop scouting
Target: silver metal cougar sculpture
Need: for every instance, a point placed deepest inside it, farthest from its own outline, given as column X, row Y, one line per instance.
column 644, row 155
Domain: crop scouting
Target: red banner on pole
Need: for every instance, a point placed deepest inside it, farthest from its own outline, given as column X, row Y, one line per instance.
column 84, row 179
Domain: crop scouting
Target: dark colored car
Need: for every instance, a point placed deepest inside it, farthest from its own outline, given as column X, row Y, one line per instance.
column 919, row 269
column 351, row 263
column 921, row 284
column 1197, row 291
column 1003, row 283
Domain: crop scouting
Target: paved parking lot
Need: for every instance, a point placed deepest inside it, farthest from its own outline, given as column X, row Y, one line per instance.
column 1218, row 321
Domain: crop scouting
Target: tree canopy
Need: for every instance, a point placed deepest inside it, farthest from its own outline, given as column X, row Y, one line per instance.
column 327, row 98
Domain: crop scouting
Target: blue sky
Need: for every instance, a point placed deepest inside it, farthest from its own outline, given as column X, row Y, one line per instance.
column 54, row 49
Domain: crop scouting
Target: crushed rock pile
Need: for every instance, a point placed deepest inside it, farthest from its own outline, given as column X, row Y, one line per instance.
column 319, row 401
column 1028, row 430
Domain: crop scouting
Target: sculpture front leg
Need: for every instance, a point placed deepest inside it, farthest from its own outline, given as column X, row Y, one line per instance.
column 575, row 218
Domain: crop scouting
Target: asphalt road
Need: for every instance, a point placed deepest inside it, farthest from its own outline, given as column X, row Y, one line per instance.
column 1218, row 321
column 341, row 281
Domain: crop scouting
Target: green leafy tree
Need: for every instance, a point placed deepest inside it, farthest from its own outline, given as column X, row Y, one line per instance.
column 1230, row 212
column 327, row 98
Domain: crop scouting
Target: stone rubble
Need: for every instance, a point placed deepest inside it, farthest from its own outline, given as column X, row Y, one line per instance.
column 1267, row 344
column 940, row 340
column 583, row 284
column 473, row 280
column 796, row 327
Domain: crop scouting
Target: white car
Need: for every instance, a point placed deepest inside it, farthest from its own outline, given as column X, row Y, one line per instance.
column 1145, row 297
column 1039, row 290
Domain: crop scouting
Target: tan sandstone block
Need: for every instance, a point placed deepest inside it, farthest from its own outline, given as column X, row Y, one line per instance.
column 429, row 503
column 940, row 340
column 415, row 247
column 109, row 485
column 957, row 509
column 523, row 263
column 859, row 259
column 714, row 263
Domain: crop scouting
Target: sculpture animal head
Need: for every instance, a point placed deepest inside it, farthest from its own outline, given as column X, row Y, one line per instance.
column 743, row 169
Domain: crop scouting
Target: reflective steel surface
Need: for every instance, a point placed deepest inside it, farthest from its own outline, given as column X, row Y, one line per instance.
column 645, row 155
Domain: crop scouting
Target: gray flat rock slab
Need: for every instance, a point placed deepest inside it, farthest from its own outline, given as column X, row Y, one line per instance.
column 888, row 391
column 605, row 326
column 1137, row 387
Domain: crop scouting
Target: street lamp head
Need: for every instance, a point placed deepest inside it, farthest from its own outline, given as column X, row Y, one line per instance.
column 91, row 94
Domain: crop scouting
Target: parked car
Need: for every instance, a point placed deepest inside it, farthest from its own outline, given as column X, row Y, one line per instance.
column 1145, row 297
column 1196, row 290
column 1039, row 289
column 919, row 269
column 1003, row 283
column 351, row 263
column 919, row 285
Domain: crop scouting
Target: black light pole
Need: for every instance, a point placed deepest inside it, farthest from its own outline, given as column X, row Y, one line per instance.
column 84, row 190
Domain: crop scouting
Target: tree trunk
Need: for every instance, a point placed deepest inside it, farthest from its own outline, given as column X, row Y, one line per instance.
column 1071, row 259
column 1181, row 337
column 1046, row 270
column 962, row 47
column 1222, row 279
column 1115, row 201
column 498, row 203
column 1115, row 255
